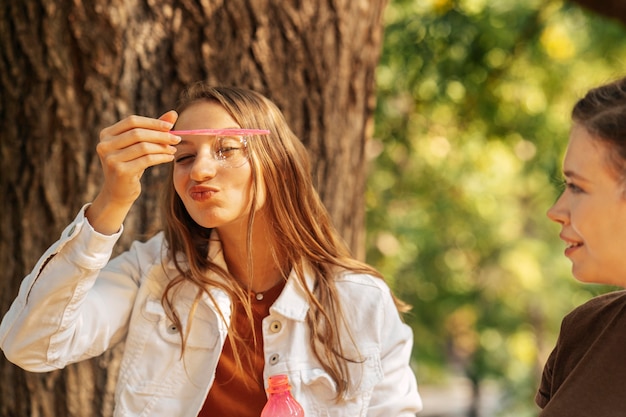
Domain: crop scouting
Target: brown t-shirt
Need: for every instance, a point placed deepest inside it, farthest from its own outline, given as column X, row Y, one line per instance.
column 585, row 375
column 242, row 394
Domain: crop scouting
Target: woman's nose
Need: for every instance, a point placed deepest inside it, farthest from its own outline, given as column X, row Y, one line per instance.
column 204, row 167
column 558, row 212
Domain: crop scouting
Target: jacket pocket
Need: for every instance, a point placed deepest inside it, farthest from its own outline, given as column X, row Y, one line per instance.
column 202, row 334
column 320, row 390
column 153, row 362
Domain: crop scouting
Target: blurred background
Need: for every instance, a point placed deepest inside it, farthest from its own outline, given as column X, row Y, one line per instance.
column 474, row 101
column 472, row 118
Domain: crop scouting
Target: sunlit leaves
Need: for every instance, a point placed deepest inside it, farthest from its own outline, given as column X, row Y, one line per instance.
column 557, row 42
column 472, row 119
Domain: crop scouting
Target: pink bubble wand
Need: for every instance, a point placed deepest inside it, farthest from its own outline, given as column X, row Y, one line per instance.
column 221, row 132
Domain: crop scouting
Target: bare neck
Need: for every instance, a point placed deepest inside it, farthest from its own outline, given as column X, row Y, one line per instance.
column 267, row 268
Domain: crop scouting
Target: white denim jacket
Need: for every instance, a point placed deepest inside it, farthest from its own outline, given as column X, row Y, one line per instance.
column 75, row 304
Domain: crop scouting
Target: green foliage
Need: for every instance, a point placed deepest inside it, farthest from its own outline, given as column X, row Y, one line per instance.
column 474, row 101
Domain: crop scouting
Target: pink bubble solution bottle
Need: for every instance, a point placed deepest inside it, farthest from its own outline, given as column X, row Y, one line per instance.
column 281, row 403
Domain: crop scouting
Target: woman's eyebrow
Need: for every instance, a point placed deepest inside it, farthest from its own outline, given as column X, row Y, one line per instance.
column 574, row 175
column 183, row 142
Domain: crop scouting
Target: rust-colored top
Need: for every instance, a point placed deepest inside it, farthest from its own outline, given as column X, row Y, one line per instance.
column 242, row 394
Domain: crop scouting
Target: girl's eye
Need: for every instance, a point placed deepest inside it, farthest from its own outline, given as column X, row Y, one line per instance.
column 227, row 151
column 227, row 147
column 573, row 187
column 183, row 159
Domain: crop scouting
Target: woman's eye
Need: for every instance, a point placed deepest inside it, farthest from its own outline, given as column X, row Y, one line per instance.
column 183, row 158
column 227, row 151
column 227, row 146
column 573, row 187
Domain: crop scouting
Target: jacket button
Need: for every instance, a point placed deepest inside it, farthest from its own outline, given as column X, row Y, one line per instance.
column 275, row 326
column 274, row 359
column 171, row 329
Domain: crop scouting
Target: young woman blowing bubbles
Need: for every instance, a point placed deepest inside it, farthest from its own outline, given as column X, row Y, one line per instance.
column 586, row 373
column 248, row 278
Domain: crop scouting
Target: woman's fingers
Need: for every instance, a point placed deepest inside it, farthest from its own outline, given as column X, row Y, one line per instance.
column 134, row 158
column 130, row 146
column 139, row 122
column 136, row 136
column 136, row 141
column 170, row 117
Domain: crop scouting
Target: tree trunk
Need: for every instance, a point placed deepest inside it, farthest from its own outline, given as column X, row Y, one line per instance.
column 612, row 9
column 70, row 68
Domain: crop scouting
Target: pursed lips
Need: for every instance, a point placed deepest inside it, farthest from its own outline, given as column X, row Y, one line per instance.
column 201, row 192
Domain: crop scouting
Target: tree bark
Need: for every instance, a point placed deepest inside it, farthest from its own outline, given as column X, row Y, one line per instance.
column 70, row 68
column 613, row 9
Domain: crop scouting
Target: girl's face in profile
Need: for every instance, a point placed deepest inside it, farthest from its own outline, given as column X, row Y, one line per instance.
column 592, row 212
column 215, row 194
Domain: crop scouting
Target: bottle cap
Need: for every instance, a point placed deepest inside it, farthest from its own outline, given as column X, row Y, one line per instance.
column 278, row 383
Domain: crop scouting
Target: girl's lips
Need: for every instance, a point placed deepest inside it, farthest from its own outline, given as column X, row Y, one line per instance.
column 571, row 246
column 200, row 194
column 571, row 249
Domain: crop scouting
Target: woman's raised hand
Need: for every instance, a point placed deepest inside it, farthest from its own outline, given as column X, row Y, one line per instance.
column 126, row 149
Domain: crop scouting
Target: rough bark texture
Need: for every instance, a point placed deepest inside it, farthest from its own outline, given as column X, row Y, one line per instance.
column 69, row 68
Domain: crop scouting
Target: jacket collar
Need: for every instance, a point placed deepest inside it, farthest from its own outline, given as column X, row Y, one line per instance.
column 292, row 302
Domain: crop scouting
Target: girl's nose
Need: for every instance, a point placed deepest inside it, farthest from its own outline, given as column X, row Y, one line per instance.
column 558, row 212
column 204, row 167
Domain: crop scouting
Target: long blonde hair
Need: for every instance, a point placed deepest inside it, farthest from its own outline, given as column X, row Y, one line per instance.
column 304, row 235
